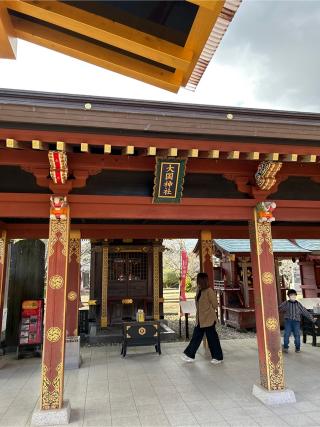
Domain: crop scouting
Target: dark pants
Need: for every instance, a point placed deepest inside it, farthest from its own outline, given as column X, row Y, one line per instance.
column 213, row 342
column 291, row 326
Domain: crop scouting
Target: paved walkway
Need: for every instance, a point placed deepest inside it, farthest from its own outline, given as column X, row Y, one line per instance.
column 147, row 390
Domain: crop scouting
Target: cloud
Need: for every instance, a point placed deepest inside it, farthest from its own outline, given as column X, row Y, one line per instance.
column 275, row 43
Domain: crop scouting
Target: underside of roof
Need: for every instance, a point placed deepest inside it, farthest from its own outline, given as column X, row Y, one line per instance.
column 168, row 44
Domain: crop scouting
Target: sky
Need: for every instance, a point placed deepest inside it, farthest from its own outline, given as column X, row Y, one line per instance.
column 269, row 58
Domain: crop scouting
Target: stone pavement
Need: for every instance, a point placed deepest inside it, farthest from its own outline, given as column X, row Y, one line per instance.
column 145, row 389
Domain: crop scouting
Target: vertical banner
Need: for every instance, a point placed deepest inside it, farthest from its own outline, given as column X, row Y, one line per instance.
column 55, row 311
column 168, row 181
column 73, row 284
column 184, row 271
column 266, row 304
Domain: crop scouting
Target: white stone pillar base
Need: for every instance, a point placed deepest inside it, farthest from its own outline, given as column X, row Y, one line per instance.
column 52, row 417
column 276, row 397
column 72, row 353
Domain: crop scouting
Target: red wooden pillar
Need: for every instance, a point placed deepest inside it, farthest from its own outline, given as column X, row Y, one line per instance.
column 55, row 314
column 3, row 268
column 266, row 305
column 73, row 284
column 206, row 253
column 156, row 281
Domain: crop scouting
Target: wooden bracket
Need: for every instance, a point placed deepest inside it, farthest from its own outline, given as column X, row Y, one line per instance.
column 81, row 176
column 242, row 182
column 41, row 175
column 261, row 195
column 62, row 189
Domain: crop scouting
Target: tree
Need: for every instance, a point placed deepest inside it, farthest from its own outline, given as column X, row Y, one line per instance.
column 170, row 278
column 172, row 261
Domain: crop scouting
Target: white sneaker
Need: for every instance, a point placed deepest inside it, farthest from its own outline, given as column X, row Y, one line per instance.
column 185, row 358
column 216, row 362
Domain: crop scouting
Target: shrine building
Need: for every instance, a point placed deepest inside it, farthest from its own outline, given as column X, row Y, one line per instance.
column 104, row 170
column 127, row 174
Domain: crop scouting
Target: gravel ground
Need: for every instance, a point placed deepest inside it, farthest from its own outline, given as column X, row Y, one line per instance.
column 225, row 332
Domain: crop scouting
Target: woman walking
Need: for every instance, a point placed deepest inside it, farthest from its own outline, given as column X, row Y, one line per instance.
column 206, row 318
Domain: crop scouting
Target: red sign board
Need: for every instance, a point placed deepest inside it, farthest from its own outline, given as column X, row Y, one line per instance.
column 31, row 322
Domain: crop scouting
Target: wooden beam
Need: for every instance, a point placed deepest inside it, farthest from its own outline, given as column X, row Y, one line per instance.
column 163, row 231
column 39, row 145
column 8, row 41
column 207, row 4
column 107, row 31
column 97, row 55
column 18, row 205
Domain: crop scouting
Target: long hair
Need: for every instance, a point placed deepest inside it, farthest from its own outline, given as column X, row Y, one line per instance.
column 203, row 281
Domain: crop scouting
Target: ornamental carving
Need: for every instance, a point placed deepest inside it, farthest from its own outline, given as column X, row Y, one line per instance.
column 206, row 246
column 266, row 174
column 56, row 282
column 74, row 249
column 54, row 334
column 264, row 236
column 51, row 393
column 58, row 233
column 206, row 251
column 267, row 278
column 263, row 374
column 265, row 211
column 276, row 374
column 58, row 207
column 2, row 249
column 72, row 296
column 58, row 166
column 142, row 331
column 272, row 324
